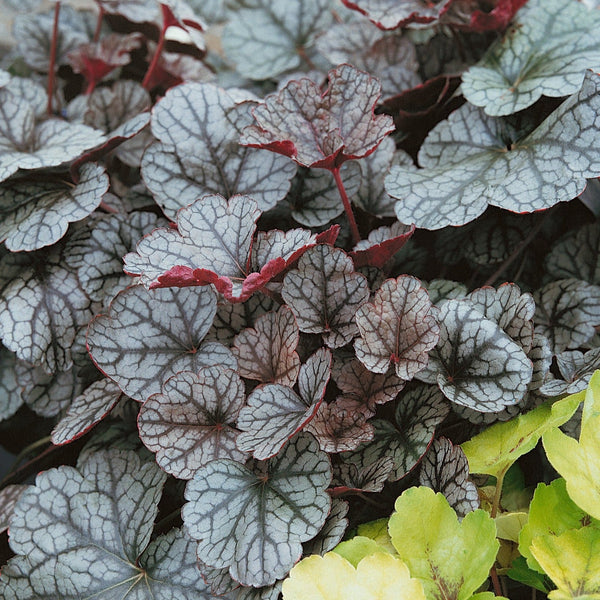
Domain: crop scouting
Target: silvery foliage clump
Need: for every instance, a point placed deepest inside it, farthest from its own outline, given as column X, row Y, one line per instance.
column 245, row 282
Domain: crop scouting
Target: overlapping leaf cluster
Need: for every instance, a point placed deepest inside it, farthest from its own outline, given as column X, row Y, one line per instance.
column 236, row 256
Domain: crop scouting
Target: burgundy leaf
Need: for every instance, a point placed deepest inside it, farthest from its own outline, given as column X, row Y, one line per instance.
column 267, row 351
column 191, row 421
column 397, row 328
column 381, row 245
column 467, row 14
column 321, row 130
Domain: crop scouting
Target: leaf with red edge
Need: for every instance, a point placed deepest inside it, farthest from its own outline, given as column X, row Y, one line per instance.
column 418, row 412
column 364, row 387
column 274, row 412
column 481, row 15
column 351, row 478
column 95, row 60
column 321, row 130
column 381, row 245
column 190, row 422
column 398, row 328
column 340, row 426
column 390, row 14
column 445, row 469
column 212, row 246
column 324, row 292
column 267, row 351
column 86, row 410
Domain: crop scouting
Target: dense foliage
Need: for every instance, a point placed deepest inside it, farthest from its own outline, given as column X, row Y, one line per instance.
column 278, row 274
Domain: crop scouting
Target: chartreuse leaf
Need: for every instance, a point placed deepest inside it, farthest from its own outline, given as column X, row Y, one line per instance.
column 451, row 558
column 551, row 512
column 355, row 549
column 85, row 533
column 579, row 462
column 572, row 561
column 379, row 576
column 545, row 53
column 472, row 160
column 377, row 530
column 495, row 449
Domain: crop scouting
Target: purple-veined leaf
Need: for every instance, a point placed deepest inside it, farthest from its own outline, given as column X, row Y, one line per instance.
column 381, row 245
column 567, row 312
column 268, row 592
column 576, row 255
column 418, row 412
column 444, row 289
column 27, row 145
column 146, row 337
column 445, row 469
column 212, row 246
column 332, row 532
column 340, row 425
column 324, row 292
column 349, row 478
column 364, row 387
column 232, row 319
column 398, row 328
column 314, row 198
column 198, row 127
column 8, row 499
column 469, row 164
column 391, row 14
column 97, row 252
column 510, row 309
column 42, row 306
column 475, row 363
column 191, row 421
column 321, row 130
column 10, row 390
column 86, row 533
column 5, row 77
column 34, row 214
column 545, row 53
column 262, row 38
column 576, row 369
column 390, row 58
column 261, row 544
column 86, row 410
column 267, row 351
column 30, row 92
column 275, row 412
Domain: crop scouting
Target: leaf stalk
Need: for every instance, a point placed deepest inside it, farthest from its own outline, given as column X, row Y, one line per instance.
column 347, row 206
column 52, row 66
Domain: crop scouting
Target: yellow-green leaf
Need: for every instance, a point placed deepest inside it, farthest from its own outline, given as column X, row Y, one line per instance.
column 378, row 531
column 357, row 548
column 579, row 462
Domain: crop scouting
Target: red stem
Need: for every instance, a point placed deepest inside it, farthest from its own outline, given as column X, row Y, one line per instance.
column 496, row 582
column 53, row 44
column 157, row 53
column 346, row 203
column 91, row 86
column 98, row 25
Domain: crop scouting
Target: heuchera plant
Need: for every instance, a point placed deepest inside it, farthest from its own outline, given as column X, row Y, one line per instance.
column 277, row 276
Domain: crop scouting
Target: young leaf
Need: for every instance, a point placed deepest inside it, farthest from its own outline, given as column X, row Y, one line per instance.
column 321, row 130
column 267, row 351
column 572, row 561
column 274, row 412
column 324, row 292
column 398, row 327
column 567, row 312
column 332, row 577
column 469, row 163
column 263, row 39
column 445, row 469
column 198, row 127
column 260, row 546
column 34, row 214
column 578, row 462
column 86, row 410
column 190, row 422
column 451, row 559
column 545, row 53
column 495, row 449
column 86, row 533
column 148, row 336
column 381, row 245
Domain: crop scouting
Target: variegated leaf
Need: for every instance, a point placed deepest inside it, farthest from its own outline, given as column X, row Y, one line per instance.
column 10, row 390
column 576, row 369
column 351, row 478
column 259, row 546
column 8, row 499
column 332, row 532
column 191, row 421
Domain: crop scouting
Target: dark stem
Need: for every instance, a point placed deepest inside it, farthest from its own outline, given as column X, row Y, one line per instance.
column 157, row 53
column 347, row 206
column 107, row 208
column 515, row 253
column 53, row 45
column 98, row 25
column 302, row 54
column 496, row 582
